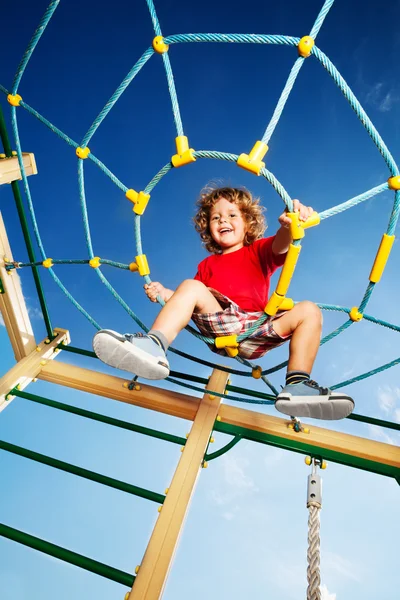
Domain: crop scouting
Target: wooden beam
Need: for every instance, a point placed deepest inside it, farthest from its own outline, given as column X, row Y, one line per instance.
column 12, row 303
column 9, row 167
column 28, row 368
column 318, row 437
column 94, row 382
column 153, row 572
column 183, row 406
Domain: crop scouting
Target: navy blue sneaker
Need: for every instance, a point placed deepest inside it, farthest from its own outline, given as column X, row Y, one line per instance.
column 308, row 399
column 136, row 353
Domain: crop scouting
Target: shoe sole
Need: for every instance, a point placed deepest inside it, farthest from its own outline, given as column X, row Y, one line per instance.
column 327, row 408
column 114, row 350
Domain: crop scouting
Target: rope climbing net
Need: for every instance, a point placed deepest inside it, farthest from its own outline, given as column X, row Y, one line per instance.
column 253, row 162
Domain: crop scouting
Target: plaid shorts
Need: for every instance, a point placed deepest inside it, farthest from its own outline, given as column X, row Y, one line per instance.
column 233, row 320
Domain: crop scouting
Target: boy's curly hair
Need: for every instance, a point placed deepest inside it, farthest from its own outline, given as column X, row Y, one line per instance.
column 250, row 208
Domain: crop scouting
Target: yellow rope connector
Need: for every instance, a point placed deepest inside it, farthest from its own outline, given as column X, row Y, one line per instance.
column 48, row 263
column 159, row 509
column 142, row 264
column 229, row 343
column 226, row 340
column 381, row 258
column 82, row 152
column 308, row 460
column 126, row 597
column 297, row 227
column 14, row 100
column 166, row 491
column 256, row 372
column 394, row 182
column 159, row 45
column 137, row 569
column 305, row 46
column 253, row 162
column 139, row 199
column 355, row 315
column 205, row 464
column 286, row 304
column 184, row 154
column 95, row 262
column 133, row 267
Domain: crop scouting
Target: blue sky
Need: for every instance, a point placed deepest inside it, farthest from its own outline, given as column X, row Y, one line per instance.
column 246, row 532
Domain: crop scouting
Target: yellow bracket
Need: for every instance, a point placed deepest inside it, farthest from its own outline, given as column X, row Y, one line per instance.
column 82, row 152
column 297, row 227
column 48, row 263
column 95, row 262
column 286, row 304
column 139, row 200
column 229, row 343
column 355, row 315
column 142, row 264
column 394, row 182
column 14, row 100
column 381, row 257
column 305, row 46
column 184, row 154
column 253, row 162
column 159, row 45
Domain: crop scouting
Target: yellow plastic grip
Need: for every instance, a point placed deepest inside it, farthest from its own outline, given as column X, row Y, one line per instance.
column 253, row 162
column 226, row 340
column 305, row 46
column 232, row 352
column 381, row 258
column 184, row 154
column 142, row 264
column 288, row 270
column 139, row 200
column 14, row 99
column 48, row 263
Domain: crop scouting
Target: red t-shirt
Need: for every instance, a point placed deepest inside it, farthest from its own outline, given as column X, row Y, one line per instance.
column 242, row 275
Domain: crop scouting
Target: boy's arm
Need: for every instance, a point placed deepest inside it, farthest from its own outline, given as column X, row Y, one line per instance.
column 283, row 238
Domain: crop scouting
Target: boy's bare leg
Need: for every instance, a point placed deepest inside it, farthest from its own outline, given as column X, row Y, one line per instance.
column 304, row 322
column 191, row 296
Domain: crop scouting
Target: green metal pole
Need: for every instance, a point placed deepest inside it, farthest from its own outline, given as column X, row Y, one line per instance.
column 67, row 555
column 91, row 475
column 25, row 230
column 88, row 414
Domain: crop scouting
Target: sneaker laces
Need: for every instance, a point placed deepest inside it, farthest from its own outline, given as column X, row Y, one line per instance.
column 322, row 390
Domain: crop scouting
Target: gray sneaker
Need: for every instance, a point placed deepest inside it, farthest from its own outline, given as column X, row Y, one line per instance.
column 308, row 399
column 134, row 352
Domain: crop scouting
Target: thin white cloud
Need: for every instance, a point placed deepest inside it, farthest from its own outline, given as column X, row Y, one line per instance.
column 2, row 324
column 388, row 398
column 236, row 483
column 325, row 595
column 381, row 98
column 339, row 565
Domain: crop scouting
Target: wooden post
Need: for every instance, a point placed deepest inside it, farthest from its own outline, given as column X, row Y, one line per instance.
column 9, row 167
column 12, row 303
column 153, row 572
column 29, row 367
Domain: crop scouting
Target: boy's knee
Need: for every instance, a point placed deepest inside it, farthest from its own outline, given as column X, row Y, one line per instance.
column 310, row 310
column 192, row 285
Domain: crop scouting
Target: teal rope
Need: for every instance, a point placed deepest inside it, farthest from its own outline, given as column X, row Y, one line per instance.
column 33, row 43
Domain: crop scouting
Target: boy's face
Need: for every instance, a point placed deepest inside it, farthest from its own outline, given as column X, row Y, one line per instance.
column 227, row 225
